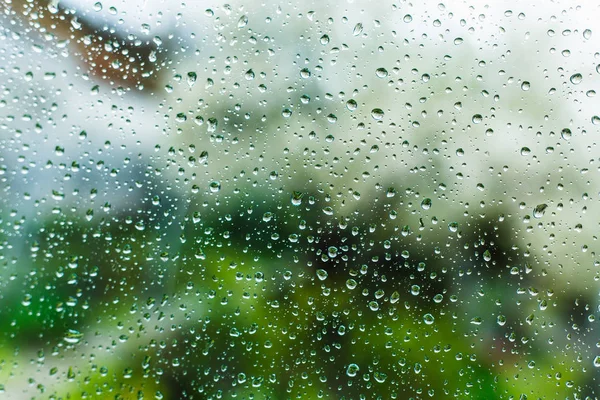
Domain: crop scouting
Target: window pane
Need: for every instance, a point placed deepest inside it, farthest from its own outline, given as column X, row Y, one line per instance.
column 304, row 200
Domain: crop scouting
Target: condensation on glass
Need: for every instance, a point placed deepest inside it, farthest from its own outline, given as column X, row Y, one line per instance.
column 337, row 200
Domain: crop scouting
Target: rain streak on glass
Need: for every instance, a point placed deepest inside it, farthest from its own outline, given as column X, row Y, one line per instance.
column 301, row 200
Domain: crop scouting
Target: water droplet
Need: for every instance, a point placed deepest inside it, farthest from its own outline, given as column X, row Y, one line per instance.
column 215, row 186
column 211, row 124
column 268, row 216
column 501, row 320
column 576, row 79
column 426, row 204
column 322, row 274
column 453, row 226
column 380, row 377
column 428, row 319
column 596, row 120
column 377, row 114
column 305, row 73
column 566, row 134
column 407, row 18
column 243, row 21
column 525, row 151
column 332, row 251
column 26, row 300
column 286, row 113
column 487, row 256
column 73, row 336
column 525, row 86
column 351, row 284
column 597, row 361
column 297, row 198
column 415, row 290
column 381, row 73
column 351, row 105
column 352, row 370
column 191, row 78
column 249, row 75
column 539, row 210
column 324, row 40
column 587, row 34
column 358, row 28
column 477, row 118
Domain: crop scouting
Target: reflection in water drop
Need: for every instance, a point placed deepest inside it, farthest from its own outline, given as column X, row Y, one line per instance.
column 539, row 210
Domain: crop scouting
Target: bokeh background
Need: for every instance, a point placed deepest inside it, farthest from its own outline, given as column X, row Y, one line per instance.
column 347, row 200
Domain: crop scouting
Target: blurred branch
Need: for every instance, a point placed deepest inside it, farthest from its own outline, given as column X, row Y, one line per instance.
column 108, row 55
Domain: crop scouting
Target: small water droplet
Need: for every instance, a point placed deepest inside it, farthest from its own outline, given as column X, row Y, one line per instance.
column 191, row 78
column 249, row 75
column 73, row 336
column 243, row 21
column 540, row 210
column 305, row 73
column 428, row 319
column 324, row 40
column 487, row 256
column 352, row 370
column 358, row 28
column 525, row 86
column 215, row 186
column 501, row 320
column 477, row 118
column 576, row 79
column 297, row 198
column 351, row 105
column 268, row 216
column 332, row 251
column 211, row 124
column 322, row 274
column 380, row 377
column 587, row 34
column 381, row 73
column 566, row 134
column 377, row 114
column 415, row 290
column 426, row 204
